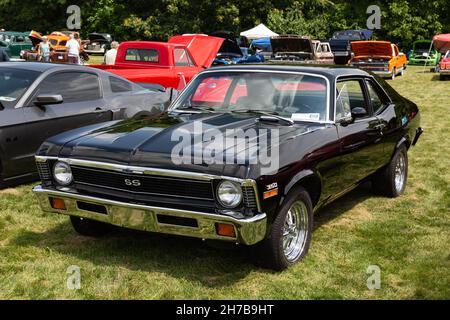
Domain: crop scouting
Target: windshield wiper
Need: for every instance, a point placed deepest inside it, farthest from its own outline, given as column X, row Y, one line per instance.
column 271, row 116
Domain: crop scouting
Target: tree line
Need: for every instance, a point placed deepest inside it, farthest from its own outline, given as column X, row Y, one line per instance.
column 402, row 21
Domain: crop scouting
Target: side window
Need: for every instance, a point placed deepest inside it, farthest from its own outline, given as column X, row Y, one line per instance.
column 73, row 86
column 377, row 98
column 349, row 95
column 119, row 85
column 182, row 58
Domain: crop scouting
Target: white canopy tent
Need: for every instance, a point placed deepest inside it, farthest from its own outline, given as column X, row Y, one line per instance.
column 258, row 32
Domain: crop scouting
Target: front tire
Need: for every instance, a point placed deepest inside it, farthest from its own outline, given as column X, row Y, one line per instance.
column 90, row 228
column 290, row 236
column 391, row 181
column 394, row 73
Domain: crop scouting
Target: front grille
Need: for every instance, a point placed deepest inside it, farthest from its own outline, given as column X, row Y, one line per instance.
column 249, row 197
column 44, row 171
column 143, row 184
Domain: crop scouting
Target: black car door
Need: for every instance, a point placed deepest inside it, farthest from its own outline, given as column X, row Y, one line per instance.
column 82, row 105
column 360, row 138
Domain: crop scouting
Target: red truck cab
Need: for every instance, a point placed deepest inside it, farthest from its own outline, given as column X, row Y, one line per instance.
column 170, row 64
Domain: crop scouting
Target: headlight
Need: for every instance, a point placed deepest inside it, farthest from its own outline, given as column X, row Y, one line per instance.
column 62, row 173
column 229, row 194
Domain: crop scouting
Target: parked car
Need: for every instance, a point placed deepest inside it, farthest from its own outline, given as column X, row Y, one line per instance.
column 444, row 66
column 341, row 43
column 322, row 52
column 14, row 42
column 292, row 48
column 98, row 43
column 57, row 42
column 381, row 57
column 39, row 100
column 336, row 128
column 423, row 53
column 263, row 47
column 171, row 64
column 230, row 51
column 58, row 50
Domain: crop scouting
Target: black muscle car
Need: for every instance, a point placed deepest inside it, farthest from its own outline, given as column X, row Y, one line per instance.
column 40, row 100
column 245, row 154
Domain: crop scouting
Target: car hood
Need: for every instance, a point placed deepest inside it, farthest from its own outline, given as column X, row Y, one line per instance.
column 372, row 49
column 203, row 48
column 35, row 38
column 290, row 44
column 99, row 37
column 153, row 141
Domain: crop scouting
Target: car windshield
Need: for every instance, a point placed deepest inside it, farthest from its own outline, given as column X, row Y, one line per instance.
column 296, row 96
column 14, row 83
column 447, row 55
column 347, row 35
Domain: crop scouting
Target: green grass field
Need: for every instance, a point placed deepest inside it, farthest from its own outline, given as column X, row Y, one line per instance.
column 408, row 238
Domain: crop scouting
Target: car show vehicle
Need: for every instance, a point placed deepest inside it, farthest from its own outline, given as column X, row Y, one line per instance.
column 14, row 42
column 39, row 100
column 98, row 43
column 444, row 66
column 292, row 48
column 380, row 57
column 341, row 43
column 231, row 52
column 57, row 42
column 423, row 53
column 327, row 130
column 171, row 64
column 322, row 52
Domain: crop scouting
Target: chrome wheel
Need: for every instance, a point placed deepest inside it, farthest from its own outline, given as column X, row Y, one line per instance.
column 295, row 231
column 400, row 172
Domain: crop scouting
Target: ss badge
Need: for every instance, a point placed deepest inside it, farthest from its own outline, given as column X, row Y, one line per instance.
column 132, row 183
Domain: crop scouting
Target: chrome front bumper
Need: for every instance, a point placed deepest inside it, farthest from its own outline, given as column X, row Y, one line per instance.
column 141, row 217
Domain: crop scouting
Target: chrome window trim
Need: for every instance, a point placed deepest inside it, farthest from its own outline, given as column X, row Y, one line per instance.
column 353, row 76
column 191, row 83
column 155, row 172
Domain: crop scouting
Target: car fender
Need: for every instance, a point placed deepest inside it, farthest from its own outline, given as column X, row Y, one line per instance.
column 307, row 176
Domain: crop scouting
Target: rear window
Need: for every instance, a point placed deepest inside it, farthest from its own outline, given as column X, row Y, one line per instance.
column 142, row 55
column 119, row 85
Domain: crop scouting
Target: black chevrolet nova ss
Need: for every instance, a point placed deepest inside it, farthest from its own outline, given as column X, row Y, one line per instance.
column 245, row 154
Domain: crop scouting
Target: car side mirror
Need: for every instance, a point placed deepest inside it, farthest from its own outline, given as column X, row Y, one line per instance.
column 43, row 100
column 358, row 112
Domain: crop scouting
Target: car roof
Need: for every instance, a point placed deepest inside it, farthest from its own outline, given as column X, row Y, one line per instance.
column 43, row 67
column 330, row 72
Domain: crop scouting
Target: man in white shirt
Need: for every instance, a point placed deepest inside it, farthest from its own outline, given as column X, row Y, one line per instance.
column 110, row 56
column 74, row 50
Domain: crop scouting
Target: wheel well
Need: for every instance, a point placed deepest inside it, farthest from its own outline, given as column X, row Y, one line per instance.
column 313, row 186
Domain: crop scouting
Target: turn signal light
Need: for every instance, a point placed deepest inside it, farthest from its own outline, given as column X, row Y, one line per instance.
column 57, row 203
column 226, row 230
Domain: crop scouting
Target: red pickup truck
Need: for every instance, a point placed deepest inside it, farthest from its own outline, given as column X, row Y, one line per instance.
column 170, row 64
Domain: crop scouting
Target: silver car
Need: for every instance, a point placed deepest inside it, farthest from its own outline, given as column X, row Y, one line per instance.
column 40, row 100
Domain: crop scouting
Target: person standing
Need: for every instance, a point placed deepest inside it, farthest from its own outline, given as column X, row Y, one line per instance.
column 3, row 55
column 73, row 47
column 44, row 50
column 110, row 56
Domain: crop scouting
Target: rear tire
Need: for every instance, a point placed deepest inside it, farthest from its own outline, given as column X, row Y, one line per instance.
column 290, row 236
column 90, row 228
column 391, row 180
